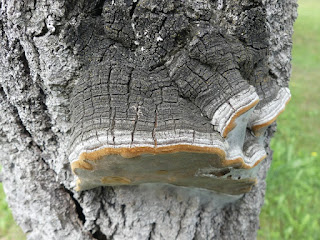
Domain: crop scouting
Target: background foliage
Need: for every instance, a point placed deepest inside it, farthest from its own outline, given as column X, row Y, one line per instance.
column 291, row 209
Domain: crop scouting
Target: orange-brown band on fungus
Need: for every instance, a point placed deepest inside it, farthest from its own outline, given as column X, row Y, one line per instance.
column 241, row 163
column 232, row 124
column 256, row 128
column 137, row 151
column 81, row 163
column 78, row 183
column 248, row 189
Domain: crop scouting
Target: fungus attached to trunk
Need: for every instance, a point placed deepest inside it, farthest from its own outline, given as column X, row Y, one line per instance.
column 189, row 110
column 181, row 165
column 263, row 117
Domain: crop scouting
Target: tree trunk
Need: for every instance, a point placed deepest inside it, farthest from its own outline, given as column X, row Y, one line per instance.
column 160, row 113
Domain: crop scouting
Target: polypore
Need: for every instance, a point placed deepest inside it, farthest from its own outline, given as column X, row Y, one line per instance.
column 189, row 112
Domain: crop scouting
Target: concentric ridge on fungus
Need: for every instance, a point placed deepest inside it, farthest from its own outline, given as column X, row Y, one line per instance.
column 97, row 163
column 189, row 110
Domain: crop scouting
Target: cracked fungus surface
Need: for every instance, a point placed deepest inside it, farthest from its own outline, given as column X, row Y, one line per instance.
column 171, row 93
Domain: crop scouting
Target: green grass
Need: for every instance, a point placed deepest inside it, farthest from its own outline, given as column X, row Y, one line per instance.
column 8, row 228
column 291, row 209
column 292, row 204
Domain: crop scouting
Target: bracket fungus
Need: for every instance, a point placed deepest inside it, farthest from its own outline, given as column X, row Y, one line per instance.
column 189, row 110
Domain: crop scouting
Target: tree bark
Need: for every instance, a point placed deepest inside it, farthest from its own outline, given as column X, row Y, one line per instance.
column 167, row 68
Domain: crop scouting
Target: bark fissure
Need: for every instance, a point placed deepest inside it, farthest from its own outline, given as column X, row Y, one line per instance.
column 135, row 122
column 123, row 213
column 155, row 127
column 25, row 63
column 183, row 215
column 114, row 231
column 153, row 226
column 97, row 11
column 98, row 235
column 134, row 5
column 198, row 223
column 79, row 209
column 44, row 31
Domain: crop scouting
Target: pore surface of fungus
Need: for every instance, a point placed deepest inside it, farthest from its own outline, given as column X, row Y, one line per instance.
column 171, row 99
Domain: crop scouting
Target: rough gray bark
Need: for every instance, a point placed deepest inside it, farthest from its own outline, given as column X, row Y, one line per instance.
column 154, row 56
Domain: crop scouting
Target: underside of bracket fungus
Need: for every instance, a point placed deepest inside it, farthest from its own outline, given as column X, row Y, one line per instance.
column 186, row 103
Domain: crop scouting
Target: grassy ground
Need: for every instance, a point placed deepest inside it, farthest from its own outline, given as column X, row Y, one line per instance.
column 8, row 229
column 291, row 209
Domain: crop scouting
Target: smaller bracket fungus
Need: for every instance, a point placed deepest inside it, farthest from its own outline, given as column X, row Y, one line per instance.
column 224, row 119
column 263, row 117
column 189, row 110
